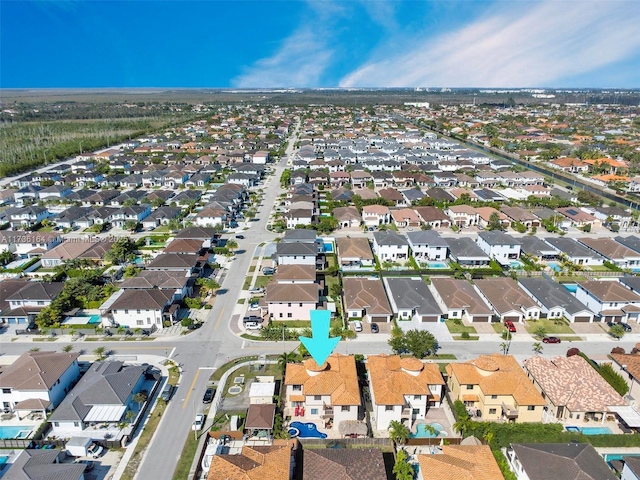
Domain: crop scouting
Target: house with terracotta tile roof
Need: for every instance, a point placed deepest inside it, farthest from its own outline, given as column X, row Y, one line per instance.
column 508, row 299
column 405, row 217
column 464, row 462
column 354, row 253
column 402, row 389
column 255, row 463
column 433, row 216
column 495, row 388
column 462, row 215
column 613, row 251
column 572, row 388
column 375, row 215
column 326, row 394
column 579, row 218
column 365, row 298
column 572, row 165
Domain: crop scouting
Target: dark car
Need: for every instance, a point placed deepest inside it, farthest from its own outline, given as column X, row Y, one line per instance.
column 551, row 340
column 240, row 237
column 627, row 327
column 375, row 328
column 510, row 326
column 194, row 326
column 208, row 395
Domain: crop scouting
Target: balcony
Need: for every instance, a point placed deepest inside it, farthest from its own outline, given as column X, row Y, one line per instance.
column 328, row 412
column 406, row 412
column 509, row 412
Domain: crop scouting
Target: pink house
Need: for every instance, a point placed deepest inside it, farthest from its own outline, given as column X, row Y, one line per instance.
column 291, row 301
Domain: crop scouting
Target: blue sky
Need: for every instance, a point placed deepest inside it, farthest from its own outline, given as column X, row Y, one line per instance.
column 320, row 43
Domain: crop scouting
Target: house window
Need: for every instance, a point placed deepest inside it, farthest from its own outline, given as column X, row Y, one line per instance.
column 6, row 390
column 297, row 388
column 531, row 408
column 314, row 411
column 126, row 312
column 494, row 397
column 139, row 322
column 280, row 315
column 76, row 424
column 289, row 315
column 40, row 302
column 388, row 408
column 289, row 304
column 300, row 304
column 56, row 424
column 317, row 397
column 469, row 387
column 345, row 408
column 417, row 397
column 492, row 411
column 138, row 311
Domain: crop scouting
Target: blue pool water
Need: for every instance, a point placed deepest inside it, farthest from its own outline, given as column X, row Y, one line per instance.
column 437, row 265
column 305, row 430
column 328, row 247
column 516, row 265
column 554, row 266
column 590, row 430
column 14, row 432
column 618, row 456
column 3, row 460
column 422, row 432
column 572, row 287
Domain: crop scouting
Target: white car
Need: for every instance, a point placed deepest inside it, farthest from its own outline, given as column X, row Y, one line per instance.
column 198, row 423
column 253, row 307
column 357, row 326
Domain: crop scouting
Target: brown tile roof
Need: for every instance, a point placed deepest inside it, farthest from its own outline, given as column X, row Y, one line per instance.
column 292, row 292
column 254, row 463
column 36, row 370
column 608, row 247
column 505, row 294
column 260, row 416
column 392, row 377
column 461, row 462
column 460, row 294
column 377, row 209
column 405, row 215
column 183, row 245
column 430, row 214
column 151, row 299
column 68, row 250
column 296, row 272
column 338, row 379
column 391, row 194
column 608, row 291
column 497, row 374
column 346, row 213
column 571, row 382
column 343, row 464
column 366, row 293
column 631, row 360
column 354, row 248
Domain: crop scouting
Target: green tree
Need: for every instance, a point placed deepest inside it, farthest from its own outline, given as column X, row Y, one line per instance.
column 398, row 432
column 617, row 331
column 6, row 257
column 186, row 321
column 139, row 398
column 540, row 332
column 130, row 416
column 285, row 358
column 207, row 285
column 67, row 348
column 131, row 225
column 402, row 469
column 122, row 250
column 100, row 353
column 420, row 343
column 537, row 348
column 494, row 222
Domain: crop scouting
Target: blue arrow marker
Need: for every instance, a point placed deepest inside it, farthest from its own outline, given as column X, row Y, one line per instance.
column 320, row 346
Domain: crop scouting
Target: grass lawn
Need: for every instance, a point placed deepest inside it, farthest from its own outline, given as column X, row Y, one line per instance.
column 549, row 325
column 331, row 280
column 247, row 283
column 571, row 338
column 252, row 268
column 252, row 337
column 471, row 337
column 498, row 327
column 570, row 278
column 186, row 457
column 162, row 229
column 459, row 327
column 599, row 268
column 223, row 368
column 262, row 280
column 241, row 301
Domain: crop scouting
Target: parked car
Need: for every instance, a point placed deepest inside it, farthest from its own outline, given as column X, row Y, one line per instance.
column 551, row 340
column 167, row 392
column 357, row 326
column 208, row 395
column 253, row 307
column 256, row 290
column 375, row 328
column 198, row 422
column 240, row 237
column 627, row 327
column 95, row 450
column 510, row 326
column 268, row 271
column 194, row 326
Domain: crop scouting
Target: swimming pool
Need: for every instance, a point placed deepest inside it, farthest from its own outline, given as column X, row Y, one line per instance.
column 572, row 287
column 14, row 432
column 436, row 265
column 590, row 430
column 423, row 432
column 516, row 265
column 82, row 320
column 618, row 456
column 327, row 247
column 3, row 459
column 554, row 266
column 305, row 430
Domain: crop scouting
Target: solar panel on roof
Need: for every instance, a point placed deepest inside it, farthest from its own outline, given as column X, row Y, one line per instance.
column 572, row 212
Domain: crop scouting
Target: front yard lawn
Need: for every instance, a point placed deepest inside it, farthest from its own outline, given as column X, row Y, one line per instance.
column 459, row 327
column 551, row 327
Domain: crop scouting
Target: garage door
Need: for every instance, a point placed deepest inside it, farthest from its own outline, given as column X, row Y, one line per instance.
column 480, row 318
column 379, row 319
column 430, row 318
column 582, row 319
column 512, row 318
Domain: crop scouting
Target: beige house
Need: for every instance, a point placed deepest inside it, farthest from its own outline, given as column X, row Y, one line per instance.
column 572, row 388
column 366, row 298
column 464, row 462
column 495, row 388
column 354, row 253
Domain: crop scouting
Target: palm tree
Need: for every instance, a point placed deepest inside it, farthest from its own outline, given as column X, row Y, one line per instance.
column 398, row 432
column 462, row 425
column 100, row 353
column 67, row 348
column 504, row 346
column 537, row 348
column 285, row 358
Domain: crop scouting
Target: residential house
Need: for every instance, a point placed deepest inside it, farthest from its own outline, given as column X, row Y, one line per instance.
column 537, row 248
column 134, row 213
column 291, row 301
column 433, row 217
column 610, row 300
column 468, row 462
column 500, row 246
column 411, row 299
column 327, row 394
column 37, row 381
column 66, row 251
column 572, row 388
column 484, row 217
column 612, row 216
column 354, row 253
column 495, row 388
column 375, row 215
column 184, row 262
column 299, row 216
column 507, row 299
column 632, row 242
column 365, row 298
column 555, row 300
column 405, row 218
column 296, row 253
column 25, row 303
column 26, row 217
column 210, row 216
column 360, row 178
column 273, row 462
column 103, row 396
column 517, row 214
column 35, row 464
column 54, row 192
column 467, row 253
column 389, row 246
column 161, row 216
column 295, row 274
column 631, row 468
column 579, row 218
column 348, row 463
column 176, row 282
column 613, row 251
column 427, row 245
column 28, row 244
column 402, row 389
column 571, row 165
column 532, row 461
column 140, row 308
column 575, row 252
column 394, row 196
column 462, row 215
column 460, row 300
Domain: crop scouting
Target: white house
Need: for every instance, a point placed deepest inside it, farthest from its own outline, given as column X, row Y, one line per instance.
column 28, row 244
column 390, row 246
column 261, row 157
column 610, row 300
column 296, row 253
column 375, row 215
column 427, row 245
column 37, row 381
column 402, row 389
column 140, row 308
column 498, row 245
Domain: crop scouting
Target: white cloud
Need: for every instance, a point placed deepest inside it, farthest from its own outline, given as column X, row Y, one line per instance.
column 519, row 45
column 299, row 62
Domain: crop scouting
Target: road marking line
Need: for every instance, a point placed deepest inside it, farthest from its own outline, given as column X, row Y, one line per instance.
column 173, row 350
column 219, row 318
column 193, row 384
column 243, row 344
